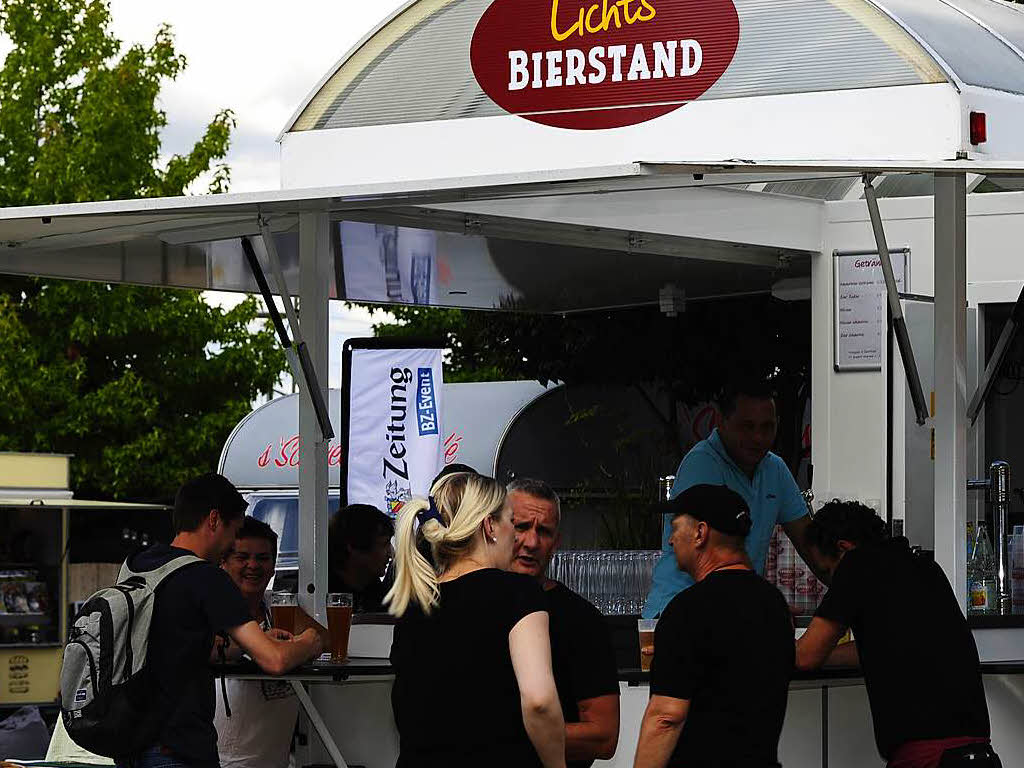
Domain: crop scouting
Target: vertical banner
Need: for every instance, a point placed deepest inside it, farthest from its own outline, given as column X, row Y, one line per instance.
column 391, row 408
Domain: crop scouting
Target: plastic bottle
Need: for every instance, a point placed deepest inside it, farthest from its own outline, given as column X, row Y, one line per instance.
column 983, row 586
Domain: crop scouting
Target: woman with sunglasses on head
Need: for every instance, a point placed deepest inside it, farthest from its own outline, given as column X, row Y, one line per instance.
column 471, row 652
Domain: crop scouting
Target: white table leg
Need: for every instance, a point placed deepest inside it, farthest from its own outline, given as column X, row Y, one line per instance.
column 318, row 723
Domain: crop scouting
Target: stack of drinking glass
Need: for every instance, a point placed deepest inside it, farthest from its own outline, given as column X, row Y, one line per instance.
column 786, row 570
column 616, row 581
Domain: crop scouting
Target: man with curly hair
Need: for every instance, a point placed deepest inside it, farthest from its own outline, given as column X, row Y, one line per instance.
column 918, row 655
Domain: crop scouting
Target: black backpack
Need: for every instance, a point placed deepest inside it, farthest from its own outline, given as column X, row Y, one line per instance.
column 104, row 682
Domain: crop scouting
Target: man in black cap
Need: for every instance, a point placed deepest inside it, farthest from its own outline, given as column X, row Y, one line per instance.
column 723, row 649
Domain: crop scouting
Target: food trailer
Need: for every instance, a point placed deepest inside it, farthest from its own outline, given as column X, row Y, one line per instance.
column 55, row 550
column 863, row 156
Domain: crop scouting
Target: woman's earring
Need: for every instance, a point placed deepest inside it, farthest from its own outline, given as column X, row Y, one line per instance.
column 494, row 539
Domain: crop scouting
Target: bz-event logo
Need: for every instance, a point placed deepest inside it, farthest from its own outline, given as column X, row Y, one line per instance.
column 426, row 405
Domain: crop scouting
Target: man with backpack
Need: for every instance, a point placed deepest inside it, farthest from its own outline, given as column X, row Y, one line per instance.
column 137, row 683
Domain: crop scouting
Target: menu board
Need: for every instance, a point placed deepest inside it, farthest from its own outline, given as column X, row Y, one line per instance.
column 861, row 307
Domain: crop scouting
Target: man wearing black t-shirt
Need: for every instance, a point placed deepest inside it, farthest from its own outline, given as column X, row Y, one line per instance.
column 193, row 605
column 723, row 649
column 582, row 656
column 920, row 662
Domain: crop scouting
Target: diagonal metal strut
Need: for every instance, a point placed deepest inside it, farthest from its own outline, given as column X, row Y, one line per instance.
column 899, row 324
column 298, row 354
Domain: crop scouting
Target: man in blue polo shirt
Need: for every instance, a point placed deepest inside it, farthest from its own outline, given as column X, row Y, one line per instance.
column 738, row 454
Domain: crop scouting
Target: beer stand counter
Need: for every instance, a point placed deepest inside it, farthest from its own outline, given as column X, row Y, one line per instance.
column 348, row 705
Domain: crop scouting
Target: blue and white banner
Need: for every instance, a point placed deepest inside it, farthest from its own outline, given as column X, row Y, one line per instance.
column 395, row 439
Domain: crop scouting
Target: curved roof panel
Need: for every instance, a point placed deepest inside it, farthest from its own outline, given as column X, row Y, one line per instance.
column 1003, row 20
column 970, row 49
column 417, row 66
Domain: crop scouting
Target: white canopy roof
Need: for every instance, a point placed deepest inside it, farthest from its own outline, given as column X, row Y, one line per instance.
column 809, row 81
column 720, row 239
column 415, row 66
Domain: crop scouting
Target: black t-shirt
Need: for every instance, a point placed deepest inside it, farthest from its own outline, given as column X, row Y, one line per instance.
column 919, row 659
column 455, row 696
column 582, row 655
column 191, row 606
column 726, row 644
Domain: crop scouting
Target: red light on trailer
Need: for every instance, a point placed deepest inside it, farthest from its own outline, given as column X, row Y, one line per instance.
column 979, row 131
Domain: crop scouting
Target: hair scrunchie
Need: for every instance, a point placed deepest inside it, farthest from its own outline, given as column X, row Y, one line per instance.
column 430, row 513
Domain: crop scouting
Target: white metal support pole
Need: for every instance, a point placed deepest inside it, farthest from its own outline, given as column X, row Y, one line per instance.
column 951, row 379
column 314, row 284
column 318, row 723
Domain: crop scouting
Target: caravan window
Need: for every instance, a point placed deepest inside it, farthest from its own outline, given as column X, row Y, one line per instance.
column 282, row 514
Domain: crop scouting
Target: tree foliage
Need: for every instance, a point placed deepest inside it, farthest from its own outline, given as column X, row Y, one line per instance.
column 671, row 361
column 79, row 122
column 142, row 385
column 668, row 362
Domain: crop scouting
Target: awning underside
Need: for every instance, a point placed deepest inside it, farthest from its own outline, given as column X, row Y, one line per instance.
column 532, row 243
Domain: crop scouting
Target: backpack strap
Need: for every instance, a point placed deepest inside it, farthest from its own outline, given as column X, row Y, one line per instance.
column 154, row 577
column 153, row 580
column 222, row 652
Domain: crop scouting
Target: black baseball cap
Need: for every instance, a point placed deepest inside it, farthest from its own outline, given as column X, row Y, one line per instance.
column 717, row 505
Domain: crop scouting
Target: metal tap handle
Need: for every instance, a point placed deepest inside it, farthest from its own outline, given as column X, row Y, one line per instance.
column 999, row 497
column 665, row 487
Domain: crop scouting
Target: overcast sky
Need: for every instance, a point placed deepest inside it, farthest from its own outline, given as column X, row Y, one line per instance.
column 260, row 59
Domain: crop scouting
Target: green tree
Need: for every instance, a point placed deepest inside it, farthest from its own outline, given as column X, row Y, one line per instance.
column 668, row 361
column 142, row 385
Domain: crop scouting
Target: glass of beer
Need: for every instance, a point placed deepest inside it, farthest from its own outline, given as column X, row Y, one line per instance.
column 339, row 622
column 646, row 629
column 283, row 607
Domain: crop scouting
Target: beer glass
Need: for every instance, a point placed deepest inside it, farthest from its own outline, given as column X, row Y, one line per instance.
column 283, row 609
column 646, row 629
column 339, row 622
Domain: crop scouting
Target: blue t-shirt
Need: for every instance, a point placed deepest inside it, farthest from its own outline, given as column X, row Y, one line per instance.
column 773, row 498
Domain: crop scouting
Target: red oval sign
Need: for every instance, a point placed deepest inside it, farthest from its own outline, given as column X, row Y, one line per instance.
column 591, row 64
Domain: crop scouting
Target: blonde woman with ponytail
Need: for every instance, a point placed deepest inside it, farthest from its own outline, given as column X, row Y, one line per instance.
column 472, row 658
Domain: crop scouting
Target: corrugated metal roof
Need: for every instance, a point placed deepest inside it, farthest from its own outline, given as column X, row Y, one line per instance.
column 417, row 66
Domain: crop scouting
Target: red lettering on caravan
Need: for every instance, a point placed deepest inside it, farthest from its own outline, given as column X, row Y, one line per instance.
column 451, row 447
column 334, row 456
column 289, row 454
